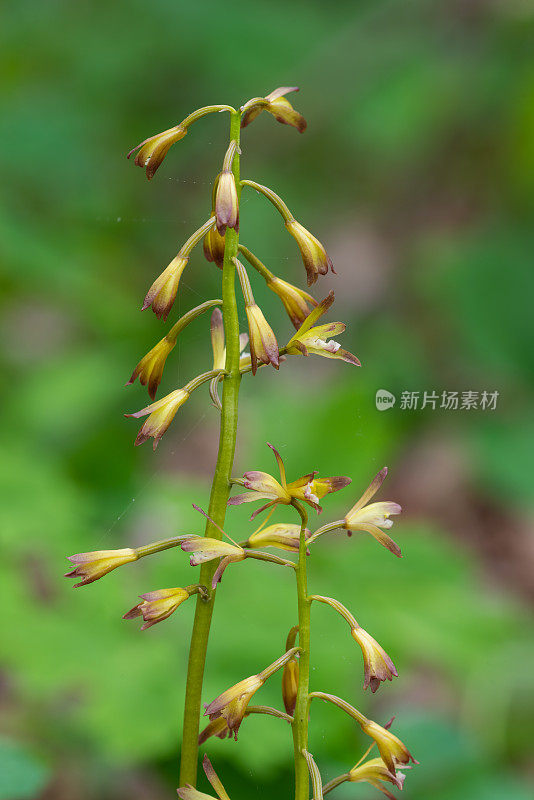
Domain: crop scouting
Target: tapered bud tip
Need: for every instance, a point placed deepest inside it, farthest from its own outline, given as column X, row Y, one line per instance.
column 226, row 203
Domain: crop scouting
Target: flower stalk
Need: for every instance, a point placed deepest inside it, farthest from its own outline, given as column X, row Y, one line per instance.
column 220, row 488
column 300, row 715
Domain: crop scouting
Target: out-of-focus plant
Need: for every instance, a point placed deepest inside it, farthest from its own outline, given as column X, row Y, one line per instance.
column 217, row 550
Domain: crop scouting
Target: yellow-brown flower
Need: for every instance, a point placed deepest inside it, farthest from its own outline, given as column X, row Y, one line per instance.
column 160, row 415
column 92, row 566
column 232, row 704
column 150, row 368
column 162, row 293
column 263, row 486
column 157, row 606
column 315, row 258
column 378, row 666
column 214, row 247
column 263, row 344
column 374, row 516
column 295, row 300
column 277, row 105
column 311, row 339
column 393, row 751
column 153, row 150
column 373, row 771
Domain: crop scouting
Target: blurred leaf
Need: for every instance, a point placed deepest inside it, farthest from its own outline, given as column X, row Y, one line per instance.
column 22, row 774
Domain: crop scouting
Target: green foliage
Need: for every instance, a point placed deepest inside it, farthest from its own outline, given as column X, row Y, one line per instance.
column 22, row 774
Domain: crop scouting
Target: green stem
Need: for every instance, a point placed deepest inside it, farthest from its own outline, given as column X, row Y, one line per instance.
column 220, row 491
column 300, row 715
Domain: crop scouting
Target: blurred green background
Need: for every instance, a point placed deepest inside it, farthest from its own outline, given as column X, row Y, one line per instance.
column 417, row 172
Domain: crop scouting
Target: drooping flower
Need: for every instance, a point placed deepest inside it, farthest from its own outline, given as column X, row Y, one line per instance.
column 232, row 704
column 378, row 666
column 263, row 344
column 162, row 293
column 290, row 683
column 311, row 339
column 374, row 516
column 160, row 415
column 157, row 606
column 153, row 150
column 150, row 368
column 263, row 486
column 295, row 300
column 277, row 105
column 373, row 771
column 394, row 752
column 314, row 256
column 92, row 566
column 214, row 247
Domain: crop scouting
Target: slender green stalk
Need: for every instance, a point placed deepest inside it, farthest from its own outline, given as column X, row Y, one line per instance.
column 220, row 491
column 300, row 715
column 335, row 782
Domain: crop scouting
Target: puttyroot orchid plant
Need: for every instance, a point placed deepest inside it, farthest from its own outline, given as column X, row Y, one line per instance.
column 215, row 550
